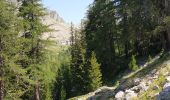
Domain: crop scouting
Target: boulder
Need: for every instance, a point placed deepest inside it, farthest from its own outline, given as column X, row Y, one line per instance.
column 120, row 95
column 164, row 95
column 142, row 86
column 136, row 89
column 165, row 73
column 130, row 95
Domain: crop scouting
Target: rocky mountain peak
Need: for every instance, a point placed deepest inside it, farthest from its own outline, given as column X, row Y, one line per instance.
column 61, row 33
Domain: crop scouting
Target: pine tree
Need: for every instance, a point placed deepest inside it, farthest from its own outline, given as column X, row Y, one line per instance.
column 149, row 58
column 95, row 76
column 132, row 65
column 62, row 90
column 31, row 11
column 12, row 75
column 78, row 65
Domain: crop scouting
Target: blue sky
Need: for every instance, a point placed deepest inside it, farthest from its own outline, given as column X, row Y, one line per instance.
column 70, row 10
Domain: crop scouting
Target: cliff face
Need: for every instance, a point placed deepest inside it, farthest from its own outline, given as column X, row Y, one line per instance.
column 61, row 30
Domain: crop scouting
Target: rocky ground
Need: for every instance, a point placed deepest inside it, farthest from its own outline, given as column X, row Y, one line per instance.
column 154, row 86
column 151, row 82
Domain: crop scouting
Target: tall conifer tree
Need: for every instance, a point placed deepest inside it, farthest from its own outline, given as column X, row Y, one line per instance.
column 95, row 76
column 31, row 11
column 12, row 75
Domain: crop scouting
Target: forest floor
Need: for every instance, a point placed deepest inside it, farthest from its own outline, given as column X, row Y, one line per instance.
column 143, row 84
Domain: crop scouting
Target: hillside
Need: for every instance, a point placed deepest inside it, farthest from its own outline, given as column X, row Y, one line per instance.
column 150, row 82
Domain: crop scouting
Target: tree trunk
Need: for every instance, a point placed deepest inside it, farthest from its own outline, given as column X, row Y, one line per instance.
column 126, row 50
column 163, row 42
column 167, row 39
column 168, row 33
column 1, row 90
column 37, row 92
column 167, row 13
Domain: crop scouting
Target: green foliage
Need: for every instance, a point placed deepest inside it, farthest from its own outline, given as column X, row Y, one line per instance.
column 132, row 65
column 62, row 74
column 149, row 58
column 63, row 93
column 167, row 21
column 101, row 34
column 95, row 75
column 162, row 53
column 12, row 75
column 117, row 29
column 49, row 73
column 78, row 65
column 33, row 46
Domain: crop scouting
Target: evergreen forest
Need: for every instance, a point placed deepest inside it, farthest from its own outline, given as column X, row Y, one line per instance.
column 115, row 37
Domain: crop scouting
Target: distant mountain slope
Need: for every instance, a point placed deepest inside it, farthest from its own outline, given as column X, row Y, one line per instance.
column 61, row 33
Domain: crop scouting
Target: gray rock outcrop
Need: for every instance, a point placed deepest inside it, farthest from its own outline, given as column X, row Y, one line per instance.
column 164, row 95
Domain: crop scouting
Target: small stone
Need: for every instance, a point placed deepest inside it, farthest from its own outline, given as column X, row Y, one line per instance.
column 155, row 77
column 166, row 85
column 154, row 71
column 168, row 79
column 143, row 86
column 150, row 78
column 145, row 65
column 148, row 83
column 155, row 87
column 157, row 73
column 137, row 81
